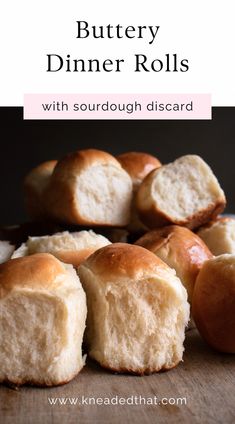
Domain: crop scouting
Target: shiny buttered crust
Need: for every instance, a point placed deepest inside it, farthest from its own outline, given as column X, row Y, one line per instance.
column 89, row 187
column 138, row 165
column 6, row 250
column 219, row 235
column 34, row 186
column 214, row 303
column 179, row 248
column 72, row 248
column 184, row 192
column 137, row 310
column 43, row 313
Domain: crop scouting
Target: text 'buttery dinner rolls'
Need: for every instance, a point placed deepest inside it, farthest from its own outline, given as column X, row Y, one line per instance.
column 89, row 187
column 72, row 248
column 219, row 235
column 179, row 248
column 137, row 310
column 138, row 165
column 35, row 184
column 42, row 321
column 184, row 192
column 214, row 303
column 6, row 250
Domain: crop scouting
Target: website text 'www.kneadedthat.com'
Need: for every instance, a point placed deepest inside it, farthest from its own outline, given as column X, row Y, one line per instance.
column 133, row 400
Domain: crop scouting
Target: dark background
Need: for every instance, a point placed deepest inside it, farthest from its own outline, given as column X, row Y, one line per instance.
column 24, row 144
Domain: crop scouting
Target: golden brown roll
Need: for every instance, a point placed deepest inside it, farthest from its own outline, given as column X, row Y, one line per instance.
column 34, row 186
column 214, row 303
column 219, row 235
column 179, row 248
column 138, row 165
column 184, row 192
column 43, row 313
column 89, row 187
column 137, row 310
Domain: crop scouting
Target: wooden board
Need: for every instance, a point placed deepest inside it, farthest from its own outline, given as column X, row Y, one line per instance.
column 205, row 378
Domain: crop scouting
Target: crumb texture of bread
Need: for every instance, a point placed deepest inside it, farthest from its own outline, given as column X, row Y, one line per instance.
column 68, row 247
column 89, row 187
column 35, row 184
column 137, row 310
column 6, row 250
column 219, row 235
column 184, row 192
column 214, row 303
column 180, row 249
column 138, row 165
column 43, row 312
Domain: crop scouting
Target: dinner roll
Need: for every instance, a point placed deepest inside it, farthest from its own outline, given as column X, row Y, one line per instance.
column 214, row 303
column 6, row 250
column 43, row 313
column 219, row 235
column 72, row 248
column 34, row 186
column 89, row 187
column 138, row 165
column 184, row 192
column 179, row 248
column 137, row 310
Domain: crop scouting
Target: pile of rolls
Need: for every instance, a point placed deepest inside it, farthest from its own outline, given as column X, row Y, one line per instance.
column 138, row 249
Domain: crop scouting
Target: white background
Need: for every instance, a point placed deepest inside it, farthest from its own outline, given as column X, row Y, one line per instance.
column 202, row 31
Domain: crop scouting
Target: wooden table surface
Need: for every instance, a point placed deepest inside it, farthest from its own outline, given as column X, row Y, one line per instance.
column 206, row 379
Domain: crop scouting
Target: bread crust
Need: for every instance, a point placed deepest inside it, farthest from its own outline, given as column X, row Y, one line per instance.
column 214, row 303
column 126, row 260
column 36, row 271
column 60, row 195
column 27, row 382
column 81, row 159
column 138, row 164
column 139, row 372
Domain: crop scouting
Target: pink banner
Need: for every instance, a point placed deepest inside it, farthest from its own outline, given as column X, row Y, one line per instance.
column 117, row 106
